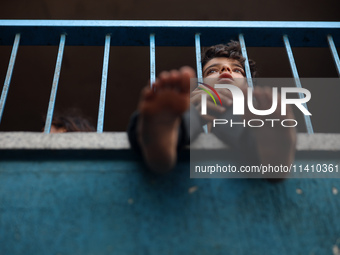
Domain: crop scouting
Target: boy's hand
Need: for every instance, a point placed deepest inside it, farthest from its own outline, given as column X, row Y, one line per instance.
column 213, row 111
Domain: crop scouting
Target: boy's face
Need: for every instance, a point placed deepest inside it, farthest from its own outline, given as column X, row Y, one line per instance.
column 55, row 129
column 224, row 70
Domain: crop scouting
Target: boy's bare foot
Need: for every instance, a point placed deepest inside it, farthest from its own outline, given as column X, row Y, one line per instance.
column 160, row 110
column 275, row 145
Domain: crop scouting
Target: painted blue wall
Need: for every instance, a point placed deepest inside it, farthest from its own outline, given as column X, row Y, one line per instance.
column 86, row 203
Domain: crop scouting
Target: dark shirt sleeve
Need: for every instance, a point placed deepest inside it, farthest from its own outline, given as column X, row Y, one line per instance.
column 183, row 132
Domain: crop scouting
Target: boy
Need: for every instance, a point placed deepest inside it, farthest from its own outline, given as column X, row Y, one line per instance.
column 71, row 120
column 161, row 126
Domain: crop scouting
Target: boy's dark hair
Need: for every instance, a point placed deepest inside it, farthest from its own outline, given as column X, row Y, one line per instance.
column 72, row 120
column 231, row 50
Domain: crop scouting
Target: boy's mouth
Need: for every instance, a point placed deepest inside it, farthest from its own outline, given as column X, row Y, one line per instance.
column 225, row 78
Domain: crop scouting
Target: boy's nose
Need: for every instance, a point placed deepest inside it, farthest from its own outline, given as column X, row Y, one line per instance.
column 225, row 69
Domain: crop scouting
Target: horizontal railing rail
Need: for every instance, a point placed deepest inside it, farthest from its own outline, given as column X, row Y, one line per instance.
column 168, row 33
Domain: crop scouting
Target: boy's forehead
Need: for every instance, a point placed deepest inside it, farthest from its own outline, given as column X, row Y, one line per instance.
column 222, row 60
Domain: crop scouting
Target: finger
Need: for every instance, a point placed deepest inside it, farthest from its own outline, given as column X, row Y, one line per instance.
column 195, row 100
column 187, row 73
column 146, row 93
column 155, row 85
column 163, row 80
column 226, row 101
column 196, row 96
column 213, row 109
column 204, row 118
column 198, row 89
column 174, row 81
column 207, row 118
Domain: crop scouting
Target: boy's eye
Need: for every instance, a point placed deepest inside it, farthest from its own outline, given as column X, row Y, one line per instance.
column 239, row 71
column 210, row 71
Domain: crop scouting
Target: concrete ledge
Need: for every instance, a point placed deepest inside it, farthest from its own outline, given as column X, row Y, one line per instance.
column 305, row 142
column 119, row 141
column 74, row 140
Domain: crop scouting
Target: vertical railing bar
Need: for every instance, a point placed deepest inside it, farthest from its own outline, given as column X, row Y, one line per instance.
column 51, row 104
column 246, row 63
column 9, row 74
column 297, row 81
column 199, row 65
column 334, row 53
column 152, row 60
column 101, row 111
column 198, row 57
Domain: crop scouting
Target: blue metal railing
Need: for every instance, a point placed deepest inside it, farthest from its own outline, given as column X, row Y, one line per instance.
column 245, row 55
column 9, row 74
column 152, row 59
column 105, row 71
column 334, row 53
column 166, row 33
column 297, row 81
column 55, row 84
